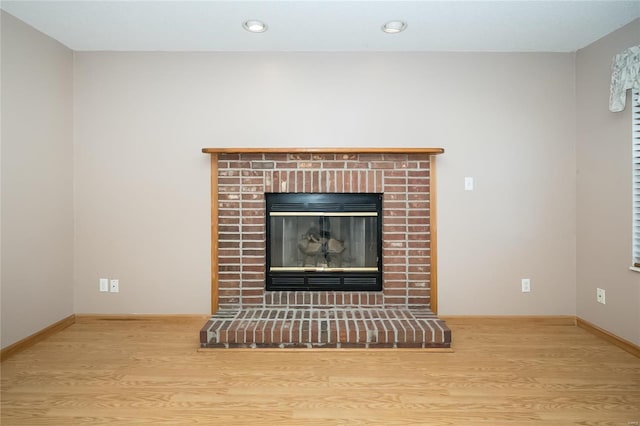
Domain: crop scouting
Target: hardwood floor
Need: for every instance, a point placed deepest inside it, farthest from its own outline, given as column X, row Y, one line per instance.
column 150, row 372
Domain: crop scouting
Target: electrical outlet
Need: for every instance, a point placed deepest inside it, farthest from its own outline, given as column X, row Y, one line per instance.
column 526, row 285
column 601, row 296
column 468, row 183
column 115, row 286
column 104, row 285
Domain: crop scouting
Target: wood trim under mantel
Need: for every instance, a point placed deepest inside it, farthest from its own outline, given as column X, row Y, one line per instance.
column 214, row 233
column 433, row 241
column 356, row 150
column 364, row 150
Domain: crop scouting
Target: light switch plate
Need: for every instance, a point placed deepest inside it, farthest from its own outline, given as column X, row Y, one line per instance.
column 104, row 285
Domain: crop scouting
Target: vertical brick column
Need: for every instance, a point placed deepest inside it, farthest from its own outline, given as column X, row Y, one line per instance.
column 418, row 235
column 229, row 231
column 252, row 230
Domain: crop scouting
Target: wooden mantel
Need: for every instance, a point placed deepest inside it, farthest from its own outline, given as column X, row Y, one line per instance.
column 338, row 150
column 215, row 152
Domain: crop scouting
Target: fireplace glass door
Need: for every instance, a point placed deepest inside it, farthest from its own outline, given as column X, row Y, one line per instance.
column 323, row 241
column 328, row 242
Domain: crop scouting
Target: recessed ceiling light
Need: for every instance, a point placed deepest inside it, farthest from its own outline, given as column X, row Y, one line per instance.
column 254, row 26
column 393, row 27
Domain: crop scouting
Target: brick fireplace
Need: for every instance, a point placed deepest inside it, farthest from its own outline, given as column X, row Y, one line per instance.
column 401, row 314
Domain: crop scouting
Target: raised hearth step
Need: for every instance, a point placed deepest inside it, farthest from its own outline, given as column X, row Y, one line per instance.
column 325, row 328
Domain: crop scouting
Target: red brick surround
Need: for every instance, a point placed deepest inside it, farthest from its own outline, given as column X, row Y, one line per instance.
column 404, row 180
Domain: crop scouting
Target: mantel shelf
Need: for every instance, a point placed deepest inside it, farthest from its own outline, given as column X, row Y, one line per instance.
column 338, row 150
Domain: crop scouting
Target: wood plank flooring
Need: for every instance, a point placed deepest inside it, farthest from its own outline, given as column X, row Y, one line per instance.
column 150, row 371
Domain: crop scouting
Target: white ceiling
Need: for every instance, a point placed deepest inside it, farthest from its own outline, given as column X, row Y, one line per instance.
column 305, row 25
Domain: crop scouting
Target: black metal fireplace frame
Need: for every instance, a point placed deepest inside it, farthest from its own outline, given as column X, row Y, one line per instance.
column 309, row 280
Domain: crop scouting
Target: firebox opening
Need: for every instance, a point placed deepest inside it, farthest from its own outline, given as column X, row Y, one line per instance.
column 324, row 241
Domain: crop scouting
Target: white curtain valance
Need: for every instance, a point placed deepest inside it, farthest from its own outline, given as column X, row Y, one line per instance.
column 625, row 74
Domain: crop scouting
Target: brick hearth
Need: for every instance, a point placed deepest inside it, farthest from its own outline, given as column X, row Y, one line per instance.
column 248, row 316
column 325, row 327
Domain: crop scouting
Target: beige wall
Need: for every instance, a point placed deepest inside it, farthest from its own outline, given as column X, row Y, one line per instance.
column 142, row 185
column 37, row 182
column 142, row 192
column 604, row 192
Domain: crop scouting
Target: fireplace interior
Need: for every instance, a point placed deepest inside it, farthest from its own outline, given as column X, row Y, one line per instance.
column 323, row 241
